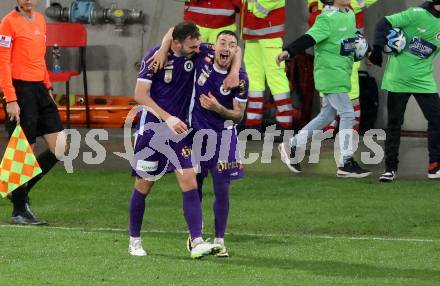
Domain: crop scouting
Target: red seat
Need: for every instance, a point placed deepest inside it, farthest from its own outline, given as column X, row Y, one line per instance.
column 62, row 76
column 67, row 35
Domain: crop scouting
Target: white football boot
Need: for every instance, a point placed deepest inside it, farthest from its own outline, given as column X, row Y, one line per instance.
column 135, row 247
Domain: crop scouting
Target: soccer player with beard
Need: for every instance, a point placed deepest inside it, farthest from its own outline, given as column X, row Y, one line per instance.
column 167, row 93
column 210, row 108
column 166, row 77
column 216, row 110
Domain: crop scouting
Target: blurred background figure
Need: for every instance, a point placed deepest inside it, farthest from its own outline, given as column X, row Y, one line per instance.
column 212, row 16
column 358, row 7
column 263, row 28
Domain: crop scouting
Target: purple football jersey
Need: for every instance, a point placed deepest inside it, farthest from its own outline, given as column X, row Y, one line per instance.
column 171, row 87
column 208, row 78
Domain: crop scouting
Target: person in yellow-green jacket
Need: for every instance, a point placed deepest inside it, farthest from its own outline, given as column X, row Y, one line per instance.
column 263, row 28
column 358, row 6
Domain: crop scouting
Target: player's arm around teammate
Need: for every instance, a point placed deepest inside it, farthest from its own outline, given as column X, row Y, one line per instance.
column 159, row 60
column 166, row 96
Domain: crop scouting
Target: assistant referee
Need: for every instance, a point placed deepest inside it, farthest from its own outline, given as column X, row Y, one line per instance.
column 27, row 96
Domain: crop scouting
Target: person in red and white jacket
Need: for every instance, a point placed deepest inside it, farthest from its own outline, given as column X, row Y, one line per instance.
column 263, row 28
column 212, row 16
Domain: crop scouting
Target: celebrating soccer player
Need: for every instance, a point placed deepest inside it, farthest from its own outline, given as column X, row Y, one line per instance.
column 167, row 93
column 217, row 109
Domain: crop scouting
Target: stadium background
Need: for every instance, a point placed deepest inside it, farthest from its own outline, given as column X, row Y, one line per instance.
column 283, row 230
column 112, row 56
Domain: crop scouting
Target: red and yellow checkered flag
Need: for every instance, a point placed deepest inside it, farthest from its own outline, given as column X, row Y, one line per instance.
column 19, row 164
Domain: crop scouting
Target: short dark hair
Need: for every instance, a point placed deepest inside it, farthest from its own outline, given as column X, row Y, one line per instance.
column 184, row 30
column 228, row 32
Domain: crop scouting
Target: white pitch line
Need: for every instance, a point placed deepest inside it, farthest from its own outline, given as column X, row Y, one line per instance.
column 95, row 230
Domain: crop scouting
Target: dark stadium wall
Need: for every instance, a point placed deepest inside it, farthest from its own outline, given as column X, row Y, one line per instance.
column 112, row 56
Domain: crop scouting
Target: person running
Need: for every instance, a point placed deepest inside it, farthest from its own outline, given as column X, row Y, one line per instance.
column 333, row 35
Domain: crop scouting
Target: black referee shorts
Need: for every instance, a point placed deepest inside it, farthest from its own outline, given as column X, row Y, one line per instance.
column 38, row 111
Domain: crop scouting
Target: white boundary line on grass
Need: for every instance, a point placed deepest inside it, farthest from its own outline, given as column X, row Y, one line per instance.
column 311, row 236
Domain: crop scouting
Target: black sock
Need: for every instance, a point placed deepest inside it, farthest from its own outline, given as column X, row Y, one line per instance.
column 19, row 198
column 46, row 160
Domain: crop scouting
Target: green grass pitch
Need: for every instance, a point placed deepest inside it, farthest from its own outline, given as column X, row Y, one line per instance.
column 283, row 230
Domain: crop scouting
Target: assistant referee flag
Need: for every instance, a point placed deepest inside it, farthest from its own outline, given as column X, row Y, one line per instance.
column 19, row 164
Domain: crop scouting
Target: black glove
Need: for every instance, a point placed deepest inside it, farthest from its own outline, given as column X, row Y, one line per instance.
column 376, row 57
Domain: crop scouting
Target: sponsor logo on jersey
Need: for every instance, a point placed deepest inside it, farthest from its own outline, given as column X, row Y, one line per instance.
column 188, row 66
column 202, row 79
column 224, row 166
column 168, row 77
column 147, row 166
column 421, row 48
column 348, row 47
column 204, row 75
column 5, row 41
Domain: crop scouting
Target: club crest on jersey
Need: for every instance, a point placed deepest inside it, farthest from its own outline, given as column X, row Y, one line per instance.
column 224, row 91
column 168, row 76
column 188, row 66
column 438, row 37
column 186, row 152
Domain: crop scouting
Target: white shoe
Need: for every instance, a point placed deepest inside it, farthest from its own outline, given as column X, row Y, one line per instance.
column 135, row 247
column 223, row 251
column 289, row 157
column 203, row 249
column 388, row 176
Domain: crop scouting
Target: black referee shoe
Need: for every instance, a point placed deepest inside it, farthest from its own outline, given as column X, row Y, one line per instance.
column 26, row 217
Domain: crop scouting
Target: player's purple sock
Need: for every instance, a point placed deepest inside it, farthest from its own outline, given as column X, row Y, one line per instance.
column 192, row 210
column 137, row 209
column 200, row 179
column 221, row 206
